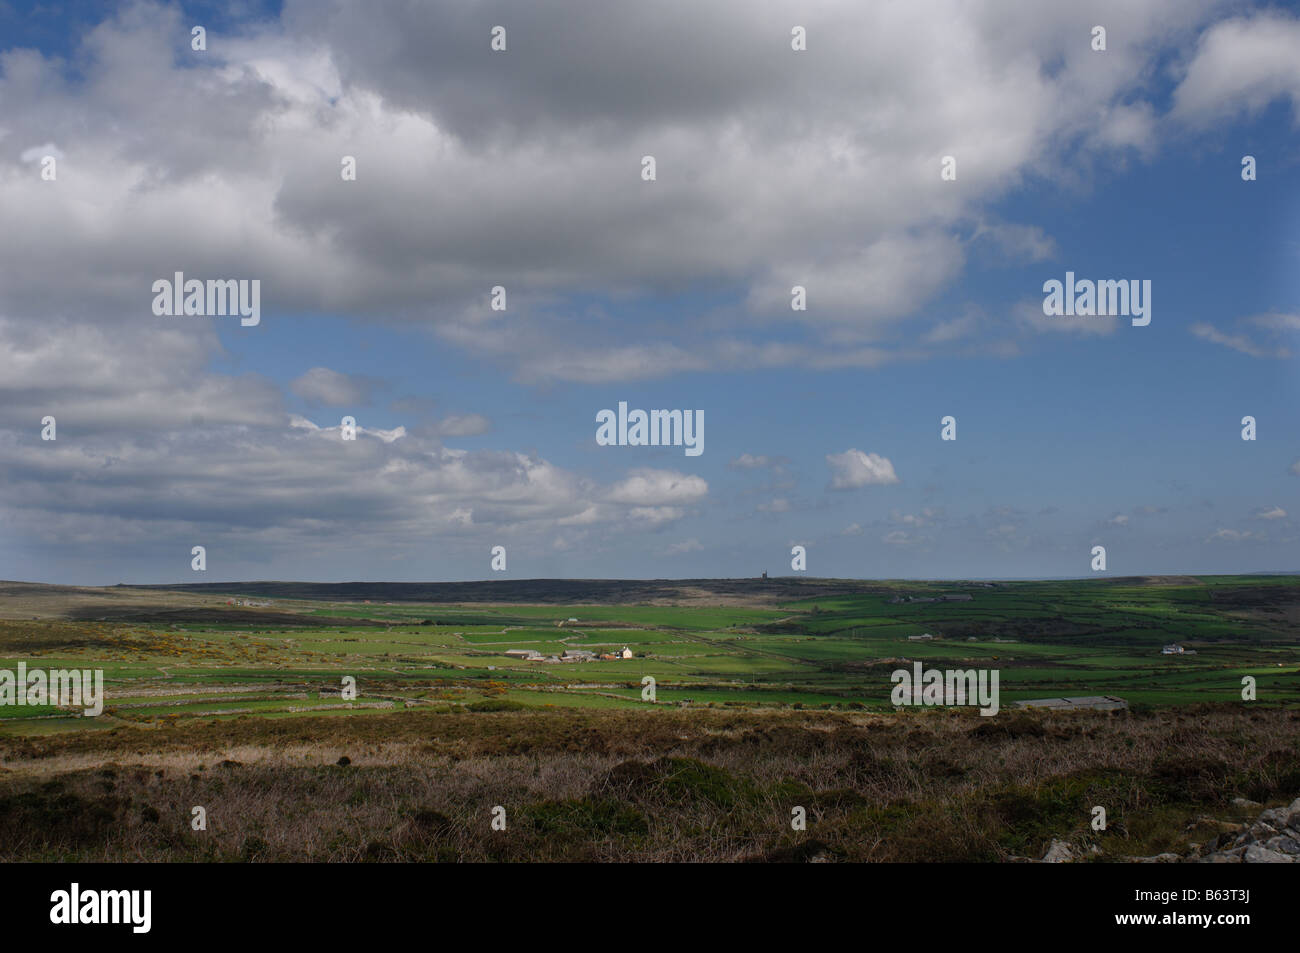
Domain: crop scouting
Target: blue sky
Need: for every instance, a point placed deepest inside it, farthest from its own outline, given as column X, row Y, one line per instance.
column 478, row 428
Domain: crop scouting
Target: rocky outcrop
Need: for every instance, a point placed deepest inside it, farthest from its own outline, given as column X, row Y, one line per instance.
column 1061, row 852
column 1274, row 838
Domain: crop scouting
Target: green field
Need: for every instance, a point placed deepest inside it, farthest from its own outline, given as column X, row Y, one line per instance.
column 778, row 644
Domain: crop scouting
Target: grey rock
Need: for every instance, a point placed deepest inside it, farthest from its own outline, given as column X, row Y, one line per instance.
column 1273, row 838
column 1243, row 802
column 1262, row 855
column 1223, row 857
column 1218, row 842
column 1284, row 844
column 1058, row 853
column 1159, row 859
column 1275, row 817
column 1233, row 854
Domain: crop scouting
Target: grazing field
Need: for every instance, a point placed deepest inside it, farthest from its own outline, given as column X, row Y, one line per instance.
column 767, row 694
column 188, row 653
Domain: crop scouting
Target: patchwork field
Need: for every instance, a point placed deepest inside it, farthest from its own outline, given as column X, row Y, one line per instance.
column 190, row 653
column 771, row 696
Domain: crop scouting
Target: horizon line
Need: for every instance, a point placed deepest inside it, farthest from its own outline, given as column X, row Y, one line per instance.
column 661, row 579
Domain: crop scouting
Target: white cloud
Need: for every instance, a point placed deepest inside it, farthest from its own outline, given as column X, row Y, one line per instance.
column 387, row 436
column 887, row 92
column 329, row 387
column 853, row 469
column 1270, row 513
column 884, row 281
column 648, row 487
column 655, row 515
column 1232, row 536
column 105, row 377
column 1277, row 321
column 464, row 425
column 1241, row 64
column 1028, row 243
column 1029, row 313
column 1238, row 342
column 952, row 330
column 749, row 461
column 691, row 545
column 159, row 445
column 924, row 518
column 36, row 153
column 155, row 449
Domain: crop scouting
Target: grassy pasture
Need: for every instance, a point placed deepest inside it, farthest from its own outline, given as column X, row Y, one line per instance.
column 835, row 649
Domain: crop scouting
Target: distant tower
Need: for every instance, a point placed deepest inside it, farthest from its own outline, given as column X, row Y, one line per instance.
column 764, row 573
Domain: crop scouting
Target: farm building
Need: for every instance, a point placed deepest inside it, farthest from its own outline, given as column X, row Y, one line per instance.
column 1078, row 703
column 530, row 655
column 1172, row 650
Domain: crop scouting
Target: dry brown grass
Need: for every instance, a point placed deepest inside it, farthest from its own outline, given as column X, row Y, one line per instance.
column 661, row 785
